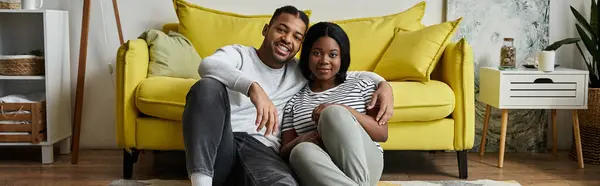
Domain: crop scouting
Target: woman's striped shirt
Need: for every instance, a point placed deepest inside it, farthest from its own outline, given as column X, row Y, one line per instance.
column 354, row 92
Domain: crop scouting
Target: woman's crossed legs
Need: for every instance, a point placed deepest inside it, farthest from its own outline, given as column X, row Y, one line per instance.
column 350, row 157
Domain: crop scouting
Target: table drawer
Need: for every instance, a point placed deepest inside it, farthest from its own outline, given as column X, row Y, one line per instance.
column 543, row 90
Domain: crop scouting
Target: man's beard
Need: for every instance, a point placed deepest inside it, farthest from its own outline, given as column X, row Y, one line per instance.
column 282, row 61
column 278, row 60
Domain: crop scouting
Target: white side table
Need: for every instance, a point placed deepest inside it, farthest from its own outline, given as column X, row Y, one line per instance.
column 532, row 89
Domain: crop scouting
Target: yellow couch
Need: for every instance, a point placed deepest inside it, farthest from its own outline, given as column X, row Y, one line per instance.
column 433, row 115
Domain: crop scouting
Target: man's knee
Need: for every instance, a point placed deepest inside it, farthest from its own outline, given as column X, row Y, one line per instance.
column 206, row 89
column 207, row 85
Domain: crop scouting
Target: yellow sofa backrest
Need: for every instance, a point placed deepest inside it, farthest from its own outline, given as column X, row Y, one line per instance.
column 369, row 36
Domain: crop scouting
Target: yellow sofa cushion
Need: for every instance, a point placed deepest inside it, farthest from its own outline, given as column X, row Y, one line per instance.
column 210, row 29
column 155, row 98
column 370, row 36
column 412, row 55
column 416, row 101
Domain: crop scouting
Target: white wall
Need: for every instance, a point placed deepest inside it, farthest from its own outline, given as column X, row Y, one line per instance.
column 562, row 25
column 140, row 15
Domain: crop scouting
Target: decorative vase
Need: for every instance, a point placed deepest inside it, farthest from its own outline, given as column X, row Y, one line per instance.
column 589, row 129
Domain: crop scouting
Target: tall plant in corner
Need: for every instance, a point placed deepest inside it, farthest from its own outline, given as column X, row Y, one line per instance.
column 590, row 35
column 589, row 121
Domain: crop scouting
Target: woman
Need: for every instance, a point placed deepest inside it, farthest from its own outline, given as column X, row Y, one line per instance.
column 328, row 138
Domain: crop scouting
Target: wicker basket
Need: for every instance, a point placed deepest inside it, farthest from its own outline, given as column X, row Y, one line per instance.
column 10, row 4
column 21, row 65
column 589, row 127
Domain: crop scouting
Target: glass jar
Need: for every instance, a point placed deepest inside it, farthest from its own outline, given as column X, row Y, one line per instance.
column 508, row 54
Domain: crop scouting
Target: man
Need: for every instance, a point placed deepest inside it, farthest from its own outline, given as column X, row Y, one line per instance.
column 232, row 115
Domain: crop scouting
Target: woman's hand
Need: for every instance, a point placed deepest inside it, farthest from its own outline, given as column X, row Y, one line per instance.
column 310, row 137
column 316, row 114
column 290, row 139
column 385, row 97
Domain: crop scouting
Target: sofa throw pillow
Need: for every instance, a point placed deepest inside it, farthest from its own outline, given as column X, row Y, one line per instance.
column 412, row 55
column 171, row 55
column 210, row 29
column 370, row 36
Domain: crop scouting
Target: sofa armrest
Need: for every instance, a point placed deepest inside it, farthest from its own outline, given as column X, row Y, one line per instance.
column 456, row 69
column 132, row 68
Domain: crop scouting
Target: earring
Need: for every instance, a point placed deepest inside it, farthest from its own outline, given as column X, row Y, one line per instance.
column 311, row 77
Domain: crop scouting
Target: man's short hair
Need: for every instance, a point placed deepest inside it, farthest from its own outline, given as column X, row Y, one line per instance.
column 290, row 10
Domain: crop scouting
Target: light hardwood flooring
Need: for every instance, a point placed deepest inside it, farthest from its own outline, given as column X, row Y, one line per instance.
column 21, row 166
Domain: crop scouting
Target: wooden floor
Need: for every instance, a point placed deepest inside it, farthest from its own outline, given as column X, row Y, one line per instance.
column 21, row 166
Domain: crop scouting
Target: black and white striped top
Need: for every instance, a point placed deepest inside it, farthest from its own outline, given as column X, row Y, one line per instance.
column 354, row 92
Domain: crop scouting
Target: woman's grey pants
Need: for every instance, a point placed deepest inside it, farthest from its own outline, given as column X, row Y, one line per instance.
column 350, row 158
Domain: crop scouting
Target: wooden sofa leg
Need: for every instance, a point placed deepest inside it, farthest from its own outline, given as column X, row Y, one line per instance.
column 463, row 168
column 128, row 160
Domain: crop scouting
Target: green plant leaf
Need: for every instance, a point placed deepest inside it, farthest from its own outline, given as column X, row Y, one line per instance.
column 558, row 44
column 589, row 44
column 598, row 18
column 597, row 8
column 594, row 19
column 583, row 55
column 583, row 22
column 591, row 47
column 597, row 75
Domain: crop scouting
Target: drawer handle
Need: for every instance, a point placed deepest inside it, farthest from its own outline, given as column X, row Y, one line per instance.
column 543, row 80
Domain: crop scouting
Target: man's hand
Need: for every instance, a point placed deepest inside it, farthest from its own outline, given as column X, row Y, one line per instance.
column 266, row 112
column 316, row 114
column 385, row 98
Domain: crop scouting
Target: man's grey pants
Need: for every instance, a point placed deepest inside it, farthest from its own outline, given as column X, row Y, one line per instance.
column 230, row 158
column 350, row 158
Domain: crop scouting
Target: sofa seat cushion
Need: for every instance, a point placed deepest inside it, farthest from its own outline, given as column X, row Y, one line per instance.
column 163, row 97
column 421, row 101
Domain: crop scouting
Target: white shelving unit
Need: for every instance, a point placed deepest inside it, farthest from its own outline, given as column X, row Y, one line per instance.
column 22, row 31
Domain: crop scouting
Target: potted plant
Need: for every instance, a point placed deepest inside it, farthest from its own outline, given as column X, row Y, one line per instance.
column 589, row 119
column 545, row 60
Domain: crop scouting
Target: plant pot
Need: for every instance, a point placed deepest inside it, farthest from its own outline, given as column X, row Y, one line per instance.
column 545, row 61
column 589, row 128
